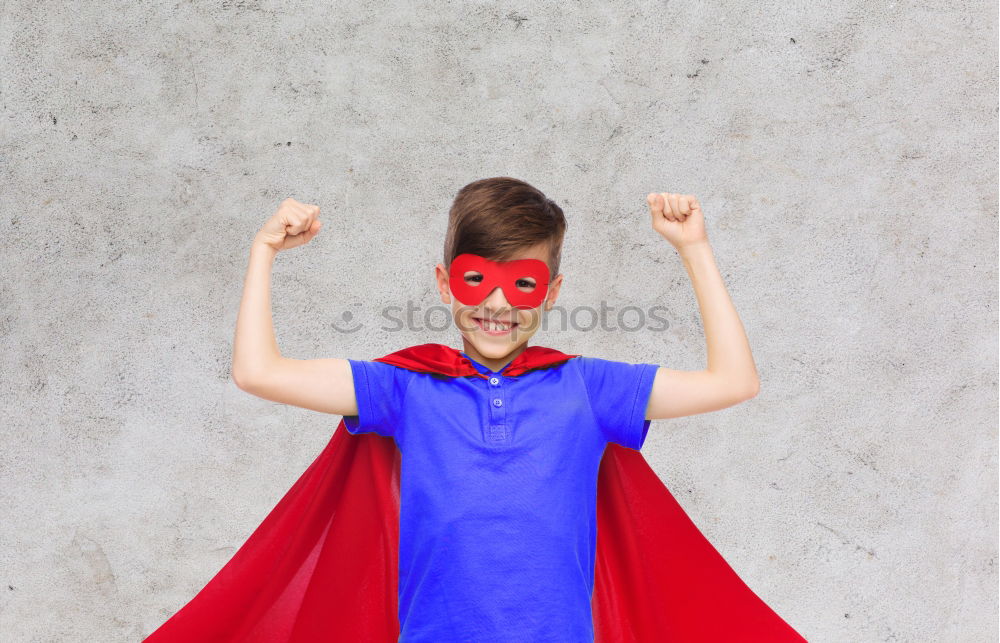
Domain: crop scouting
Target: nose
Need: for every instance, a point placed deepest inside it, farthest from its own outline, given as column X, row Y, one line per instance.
column 496, row 300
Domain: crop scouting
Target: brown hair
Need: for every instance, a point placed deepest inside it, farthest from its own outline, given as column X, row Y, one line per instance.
column 496, row 217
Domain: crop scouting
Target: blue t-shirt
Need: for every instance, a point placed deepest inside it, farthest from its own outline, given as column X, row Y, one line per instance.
column 498, row 492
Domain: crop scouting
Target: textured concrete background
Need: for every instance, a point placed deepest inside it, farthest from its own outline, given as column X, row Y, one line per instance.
column 845, row 154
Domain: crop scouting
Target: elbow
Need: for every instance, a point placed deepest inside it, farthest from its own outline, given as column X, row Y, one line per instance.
column 238, row 379
column 736, row 390
column 743, row 390
column 242, row 379
column 750, row 390
column 252, row 377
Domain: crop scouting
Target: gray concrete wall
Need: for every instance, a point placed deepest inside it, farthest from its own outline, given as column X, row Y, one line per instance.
column 846, row 157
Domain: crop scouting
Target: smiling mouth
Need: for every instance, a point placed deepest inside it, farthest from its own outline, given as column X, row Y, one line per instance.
column 493, row 327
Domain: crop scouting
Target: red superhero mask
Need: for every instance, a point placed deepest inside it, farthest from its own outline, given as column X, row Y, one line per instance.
column 523, row 281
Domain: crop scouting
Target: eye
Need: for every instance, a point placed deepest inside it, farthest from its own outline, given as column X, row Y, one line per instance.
column 473, row 277
column 527, row 285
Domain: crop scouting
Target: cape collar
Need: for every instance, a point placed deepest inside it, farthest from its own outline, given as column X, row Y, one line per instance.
column 445, row 360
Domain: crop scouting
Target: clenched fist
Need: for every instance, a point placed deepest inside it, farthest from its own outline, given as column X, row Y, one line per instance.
column 292, row 225
column 677, row 217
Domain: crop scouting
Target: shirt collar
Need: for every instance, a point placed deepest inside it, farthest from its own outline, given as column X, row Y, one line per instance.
column 452, row 362
column 480, row 367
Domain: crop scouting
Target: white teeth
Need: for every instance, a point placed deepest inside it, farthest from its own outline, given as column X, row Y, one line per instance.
column 491, row 325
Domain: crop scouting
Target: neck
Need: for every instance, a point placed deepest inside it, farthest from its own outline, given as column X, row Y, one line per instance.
column 493, row 363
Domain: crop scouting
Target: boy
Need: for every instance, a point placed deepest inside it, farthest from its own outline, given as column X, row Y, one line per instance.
column 499, row 448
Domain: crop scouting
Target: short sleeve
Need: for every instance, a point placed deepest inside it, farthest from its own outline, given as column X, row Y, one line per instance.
column 379, row 389
column 619, row 393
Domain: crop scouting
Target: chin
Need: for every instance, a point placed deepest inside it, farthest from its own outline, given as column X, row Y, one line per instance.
column 496, row 347
column 500, row 350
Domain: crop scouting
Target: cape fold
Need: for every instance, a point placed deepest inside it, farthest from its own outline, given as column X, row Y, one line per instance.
column 323, row 564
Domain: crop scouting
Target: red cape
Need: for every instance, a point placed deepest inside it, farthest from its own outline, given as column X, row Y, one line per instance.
column 322, row 566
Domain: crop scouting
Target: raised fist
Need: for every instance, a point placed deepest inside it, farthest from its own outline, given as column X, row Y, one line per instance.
column 292, row 225
column 677, row 217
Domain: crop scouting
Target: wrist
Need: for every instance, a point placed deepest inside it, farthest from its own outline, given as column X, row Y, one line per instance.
column 694, row 249
column 261, row 249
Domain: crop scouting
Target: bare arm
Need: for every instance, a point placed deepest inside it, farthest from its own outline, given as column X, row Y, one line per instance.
column 731, row 375
column 258, row 367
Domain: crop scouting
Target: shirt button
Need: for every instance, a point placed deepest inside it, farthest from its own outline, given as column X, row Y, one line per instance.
column 494, row 380
column 497, row 402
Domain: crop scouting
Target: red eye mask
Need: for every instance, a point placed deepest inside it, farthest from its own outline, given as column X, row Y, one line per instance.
column 506, row 275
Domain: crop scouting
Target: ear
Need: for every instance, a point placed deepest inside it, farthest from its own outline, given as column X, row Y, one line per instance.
column 442, row 278
column 553, row 293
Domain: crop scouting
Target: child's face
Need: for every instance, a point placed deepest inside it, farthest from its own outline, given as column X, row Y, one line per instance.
column 519, row 323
